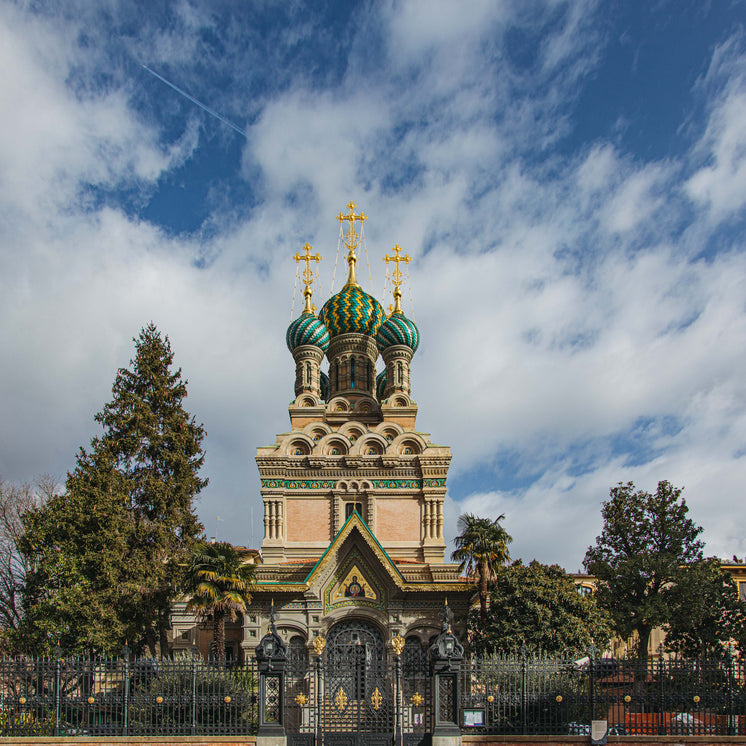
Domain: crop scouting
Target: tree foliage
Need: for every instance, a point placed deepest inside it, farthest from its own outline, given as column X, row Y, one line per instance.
column 481, row 548
column 105, row 555
column 705, row 611
column 643, row 550
column 539, row 606
column 220, row 585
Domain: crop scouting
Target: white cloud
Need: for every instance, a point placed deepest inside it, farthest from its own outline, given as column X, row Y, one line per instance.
column 720, row 184
column 561, row 313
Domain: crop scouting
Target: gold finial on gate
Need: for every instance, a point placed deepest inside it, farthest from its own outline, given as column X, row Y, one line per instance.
column 396, row 275
column 352, row 239
column 397, row 643
column 319, row 643
column 307, row 275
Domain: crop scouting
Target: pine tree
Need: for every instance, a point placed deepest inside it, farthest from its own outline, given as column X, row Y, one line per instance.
column 113, row 544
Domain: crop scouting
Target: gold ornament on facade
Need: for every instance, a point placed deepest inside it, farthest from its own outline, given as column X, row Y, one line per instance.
column 319, row 643
column 627, row 698
column 341, row 700
column 159, row 700
column 90, row 700
column 376, row 700
column 22, row 700
column 558, row 698
column 307, row 275
column 696, row 699
column 227, row 700
column 417, row 699
column 398, row 644
column 490, row 698
column 301, row 699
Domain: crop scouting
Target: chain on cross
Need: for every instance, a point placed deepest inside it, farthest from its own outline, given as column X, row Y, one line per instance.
column 307, row 274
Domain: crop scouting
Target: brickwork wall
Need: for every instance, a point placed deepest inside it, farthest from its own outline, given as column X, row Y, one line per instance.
column 397, row 520
column 307, row 520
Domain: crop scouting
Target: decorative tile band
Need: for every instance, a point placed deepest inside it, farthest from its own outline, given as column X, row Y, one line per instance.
column 300, row 484
column 330, row 484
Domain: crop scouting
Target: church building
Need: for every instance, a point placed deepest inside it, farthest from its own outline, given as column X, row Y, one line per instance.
column 353, row 493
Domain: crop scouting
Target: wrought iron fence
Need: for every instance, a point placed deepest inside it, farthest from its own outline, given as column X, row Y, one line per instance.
column 508, row 694
column 114, row 696
column 541, row 695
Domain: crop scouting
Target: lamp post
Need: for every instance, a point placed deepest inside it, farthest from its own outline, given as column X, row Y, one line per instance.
column 446, row 654
column 271, row 657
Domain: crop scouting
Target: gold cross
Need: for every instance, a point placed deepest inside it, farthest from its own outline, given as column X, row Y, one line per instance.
column 396, row 275
column 307, row 257
column 351, row 240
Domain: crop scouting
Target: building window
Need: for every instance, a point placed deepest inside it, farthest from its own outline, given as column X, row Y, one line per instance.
column 353, row 507
column 742, row 590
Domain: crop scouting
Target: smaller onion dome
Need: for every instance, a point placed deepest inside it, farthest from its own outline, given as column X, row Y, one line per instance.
column 398, row 330
column 380, row 384
column 307, row 330
column 324, row 386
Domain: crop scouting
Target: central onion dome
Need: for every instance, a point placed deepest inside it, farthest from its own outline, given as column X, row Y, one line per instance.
column 307, row 330
column 352, row 310
column 398, row 330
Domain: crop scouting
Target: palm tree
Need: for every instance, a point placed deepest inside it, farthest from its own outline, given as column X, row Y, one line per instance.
column 481, row 547
column 220, row 586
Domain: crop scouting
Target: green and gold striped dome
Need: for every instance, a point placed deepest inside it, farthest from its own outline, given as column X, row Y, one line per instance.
column 352, row 310
column 398, row 330
column 307, row 330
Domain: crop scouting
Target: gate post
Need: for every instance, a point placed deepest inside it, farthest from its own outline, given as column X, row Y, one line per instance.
column 271, row 657
column 319, row 643
column 398, row 645
column 446, row 654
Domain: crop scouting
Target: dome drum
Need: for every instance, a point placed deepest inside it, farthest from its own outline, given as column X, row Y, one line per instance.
column 352, row 365
column 396, row 378
column 308, row 370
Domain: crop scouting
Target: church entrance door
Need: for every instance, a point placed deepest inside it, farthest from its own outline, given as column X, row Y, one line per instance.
column 358, row 704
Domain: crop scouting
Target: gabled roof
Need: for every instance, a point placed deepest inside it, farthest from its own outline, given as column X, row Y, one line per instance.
column 352, row 524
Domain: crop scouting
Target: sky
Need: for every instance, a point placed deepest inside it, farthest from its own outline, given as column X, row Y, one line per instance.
column 569, row 179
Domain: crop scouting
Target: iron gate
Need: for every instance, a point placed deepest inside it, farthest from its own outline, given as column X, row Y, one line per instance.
column 354, row 695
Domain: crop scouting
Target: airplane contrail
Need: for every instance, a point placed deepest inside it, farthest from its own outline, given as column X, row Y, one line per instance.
column 199, row 103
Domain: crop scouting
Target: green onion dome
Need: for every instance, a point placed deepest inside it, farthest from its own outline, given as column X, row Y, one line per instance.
column 324, row 386
column 398, row 330
column 380, row 384
column 307, row 330
column 352, row 310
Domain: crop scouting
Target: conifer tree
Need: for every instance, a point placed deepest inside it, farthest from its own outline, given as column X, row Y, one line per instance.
column 106, row 554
